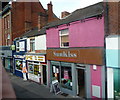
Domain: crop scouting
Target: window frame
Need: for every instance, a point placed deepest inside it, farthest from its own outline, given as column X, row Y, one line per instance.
column 31, row 42
column 60, row 35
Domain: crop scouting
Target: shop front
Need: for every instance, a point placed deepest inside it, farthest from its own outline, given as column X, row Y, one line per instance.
column 37, row 68
column 74, row 71
column 6, row 56
column 113, row 66
column 18, row 64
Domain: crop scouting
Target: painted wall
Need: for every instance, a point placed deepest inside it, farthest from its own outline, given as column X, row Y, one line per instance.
column 113, row 51
column 86, row 34
column 110, row 82
column 53, row 38
column 40, row 42
column 96, row 82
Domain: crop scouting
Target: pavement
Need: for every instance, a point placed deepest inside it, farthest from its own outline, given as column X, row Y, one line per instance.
column 29, row 89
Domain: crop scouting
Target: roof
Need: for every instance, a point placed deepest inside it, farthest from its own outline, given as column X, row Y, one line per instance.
column 5, row 9
column 35, row 32
column 80, row 14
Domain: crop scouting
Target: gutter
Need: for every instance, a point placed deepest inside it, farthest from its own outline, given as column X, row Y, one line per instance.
column 106, row 32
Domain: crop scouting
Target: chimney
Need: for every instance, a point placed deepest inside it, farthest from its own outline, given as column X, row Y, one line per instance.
column 50, row 11
column 64, row 14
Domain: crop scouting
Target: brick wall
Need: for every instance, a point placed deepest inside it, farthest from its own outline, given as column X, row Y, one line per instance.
column 18, row 26
column 113, row 17
column 25, row 17
column 6, row 29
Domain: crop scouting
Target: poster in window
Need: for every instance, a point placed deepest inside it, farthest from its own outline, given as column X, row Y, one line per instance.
column 54, row 69
column 22, row 46
column 66, row 76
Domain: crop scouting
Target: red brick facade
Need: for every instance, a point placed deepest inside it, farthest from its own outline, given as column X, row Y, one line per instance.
column 26, row 16
column 114, row 18
column 6, row 29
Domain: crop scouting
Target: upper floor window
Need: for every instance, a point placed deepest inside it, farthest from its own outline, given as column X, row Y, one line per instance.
column 32, row 45
column 64, row 38
column 17, row 46
column 20, row 46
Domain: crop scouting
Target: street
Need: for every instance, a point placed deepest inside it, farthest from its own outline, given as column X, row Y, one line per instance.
column 29, row 89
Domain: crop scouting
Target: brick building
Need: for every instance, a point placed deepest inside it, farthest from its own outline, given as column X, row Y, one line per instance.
column 20, row 17
column 112, row 47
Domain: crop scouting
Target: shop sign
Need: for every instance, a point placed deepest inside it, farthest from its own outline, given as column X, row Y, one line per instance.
column 18, row 56
column 65, row 54
column 35, row 58
column 84, row 55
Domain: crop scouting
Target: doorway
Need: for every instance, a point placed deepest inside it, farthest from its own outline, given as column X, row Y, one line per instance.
column 44, row 75
column 81, row 82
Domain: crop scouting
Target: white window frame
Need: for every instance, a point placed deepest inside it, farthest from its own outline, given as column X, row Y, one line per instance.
column 30, row 44
column 60, row 35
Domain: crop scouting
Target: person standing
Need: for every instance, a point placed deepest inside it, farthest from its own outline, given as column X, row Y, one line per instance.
column 24, row 70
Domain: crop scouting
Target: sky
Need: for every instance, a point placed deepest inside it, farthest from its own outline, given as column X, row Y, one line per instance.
column 67, row 5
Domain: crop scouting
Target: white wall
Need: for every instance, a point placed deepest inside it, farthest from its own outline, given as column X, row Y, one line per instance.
column 112, row 42
column 28, row 44
column 40, row 42
column 110, row 83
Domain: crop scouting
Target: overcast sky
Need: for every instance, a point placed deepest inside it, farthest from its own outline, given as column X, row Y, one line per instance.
column 67, row 5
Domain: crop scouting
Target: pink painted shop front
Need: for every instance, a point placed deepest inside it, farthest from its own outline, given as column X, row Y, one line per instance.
column 88, row 34
column 96, row 81
column 81, row 34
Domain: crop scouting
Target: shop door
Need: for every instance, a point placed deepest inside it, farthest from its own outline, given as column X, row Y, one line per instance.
column 81, row 82
column 44, row 75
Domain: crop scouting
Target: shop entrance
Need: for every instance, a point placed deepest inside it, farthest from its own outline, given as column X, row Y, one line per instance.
column 44, row 75
column 81, row 82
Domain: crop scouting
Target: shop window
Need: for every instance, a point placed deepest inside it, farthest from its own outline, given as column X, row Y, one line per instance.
column 32, row 45
column 66, row 77
column 55, row 73
column 17, row 46
column 117, row 84
column 64, row 38
column 33, row 68
column 36, row 69
column 30, row 68
column 19, row 64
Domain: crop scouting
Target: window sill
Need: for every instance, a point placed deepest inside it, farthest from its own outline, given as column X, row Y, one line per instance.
column 64, row 47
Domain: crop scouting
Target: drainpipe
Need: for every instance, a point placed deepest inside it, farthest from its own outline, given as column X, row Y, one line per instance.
column 106, row 32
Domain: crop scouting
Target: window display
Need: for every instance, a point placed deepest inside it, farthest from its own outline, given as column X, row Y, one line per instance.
column 117, row 84
column 34, row 68
column 66, row 77
column 19, row 64
column 30, row 68
column 55, row 71
column 63, row 75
